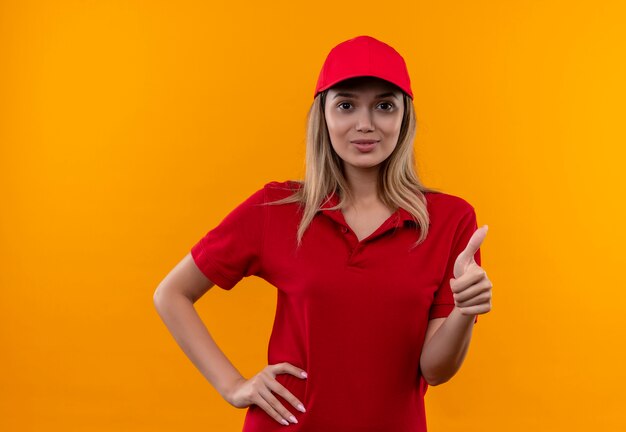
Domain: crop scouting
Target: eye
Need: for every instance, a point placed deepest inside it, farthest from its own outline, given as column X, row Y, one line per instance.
column 343, row 103
column 390, row 106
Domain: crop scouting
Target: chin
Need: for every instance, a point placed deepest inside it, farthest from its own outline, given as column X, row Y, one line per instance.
column 365, row 165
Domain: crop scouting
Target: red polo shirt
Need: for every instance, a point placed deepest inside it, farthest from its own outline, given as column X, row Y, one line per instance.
column 353, row 314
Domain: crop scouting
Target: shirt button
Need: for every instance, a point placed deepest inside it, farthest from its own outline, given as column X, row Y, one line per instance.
column 344, row 229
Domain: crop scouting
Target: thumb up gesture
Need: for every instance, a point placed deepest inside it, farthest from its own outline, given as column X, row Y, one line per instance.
column 470, row 286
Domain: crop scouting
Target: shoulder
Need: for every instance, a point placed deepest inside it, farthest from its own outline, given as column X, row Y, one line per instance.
column 444, row 206
column 275, row 190
column 255, row 203
column 290, row 185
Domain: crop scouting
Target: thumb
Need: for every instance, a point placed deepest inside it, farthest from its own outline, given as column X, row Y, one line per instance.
column 466, row 257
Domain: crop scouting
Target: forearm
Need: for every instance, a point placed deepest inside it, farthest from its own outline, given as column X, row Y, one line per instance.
column 182, row 320
column 443, row 355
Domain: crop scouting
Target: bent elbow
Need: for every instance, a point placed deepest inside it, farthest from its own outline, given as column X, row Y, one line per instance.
column 435, row 381
column 157, row 297
column 439, row 382
column 429, row 380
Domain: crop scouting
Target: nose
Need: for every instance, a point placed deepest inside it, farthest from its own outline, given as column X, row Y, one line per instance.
column 364, row 121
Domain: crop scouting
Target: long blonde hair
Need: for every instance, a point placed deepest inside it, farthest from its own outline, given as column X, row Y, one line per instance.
column 398, row 182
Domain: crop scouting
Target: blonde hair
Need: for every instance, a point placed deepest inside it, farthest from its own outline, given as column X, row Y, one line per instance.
column 398, row 182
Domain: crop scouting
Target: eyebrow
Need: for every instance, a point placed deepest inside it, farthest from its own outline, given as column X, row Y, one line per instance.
column 353, row 95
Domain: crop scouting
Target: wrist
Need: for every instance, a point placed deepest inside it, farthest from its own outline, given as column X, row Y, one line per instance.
column 458, row 313
column 229, row 389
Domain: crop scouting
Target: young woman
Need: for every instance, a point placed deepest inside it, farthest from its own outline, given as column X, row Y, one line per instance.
column 378, row 278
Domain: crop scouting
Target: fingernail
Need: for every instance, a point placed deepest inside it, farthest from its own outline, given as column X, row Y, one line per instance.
column 293, row 419
column 301, row 407
column 304, row 374
column 285, row 422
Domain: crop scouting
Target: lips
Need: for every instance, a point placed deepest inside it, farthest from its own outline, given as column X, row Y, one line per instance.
column 364, row 141
column 365, row 147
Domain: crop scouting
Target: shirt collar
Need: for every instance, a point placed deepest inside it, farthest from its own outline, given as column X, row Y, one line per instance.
column 401, row 215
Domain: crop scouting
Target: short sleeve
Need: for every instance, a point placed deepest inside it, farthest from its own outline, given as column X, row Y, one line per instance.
column 232, row 249
column 443, row 302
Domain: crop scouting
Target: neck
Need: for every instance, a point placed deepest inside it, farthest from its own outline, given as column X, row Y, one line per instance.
column 363, row 183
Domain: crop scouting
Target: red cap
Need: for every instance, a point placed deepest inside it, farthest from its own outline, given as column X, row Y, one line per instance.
column 364, row 56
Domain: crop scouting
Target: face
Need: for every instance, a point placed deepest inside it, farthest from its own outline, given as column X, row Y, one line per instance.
column 364, row 116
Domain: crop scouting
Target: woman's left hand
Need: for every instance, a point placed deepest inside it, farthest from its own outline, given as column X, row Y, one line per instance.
column 470, row 286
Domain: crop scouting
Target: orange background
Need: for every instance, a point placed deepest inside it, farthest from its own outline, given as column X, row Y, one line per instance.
column 130, row 128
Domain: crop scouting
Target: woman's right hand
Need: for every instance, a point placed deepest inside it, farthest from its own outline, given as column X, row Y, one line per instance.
column 258, row 390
